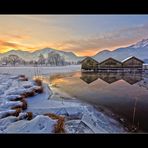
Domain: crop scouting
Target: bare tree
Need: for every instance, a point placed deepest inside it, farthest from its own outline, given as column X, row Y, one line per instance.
column 13, row 59
column 41, row 59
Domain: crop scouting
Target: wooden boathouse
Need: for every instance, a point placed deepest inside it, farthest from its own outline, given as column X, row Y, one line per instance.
column 111, row 64
column 132, row 62
column 89, row 64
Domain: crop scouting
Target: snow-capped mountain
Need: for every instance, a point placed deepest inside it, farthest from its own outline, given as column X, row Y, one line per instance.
column 68, row 56
column 141, row 44
column 140, row 50
column 22, row 54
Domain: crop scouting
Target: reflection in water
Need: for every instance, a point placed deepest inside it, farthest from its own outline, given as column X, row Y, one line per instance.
column 131, row 78
column 125, row 94
column 89, row 77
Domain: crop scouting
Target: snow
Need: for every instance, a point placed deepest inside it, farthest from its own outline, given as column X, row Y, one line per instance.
column 16, row 91
column 4, row 113
column 143, row 83
column 12, row 97
column 32, row 71
column 91, row 121
column 40, row 124
column 5, row 122
column 141, row 44
column 127, row 58
column 79, row 117
column 68, row 56
column 11, row 104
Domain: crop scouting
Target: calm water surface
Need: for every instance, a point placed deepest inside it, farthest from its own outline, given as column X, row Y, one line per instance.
column 126, row 95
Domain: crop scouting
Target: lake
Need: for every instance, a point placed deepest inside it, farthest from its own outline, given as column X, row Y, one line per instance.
column 124, row 94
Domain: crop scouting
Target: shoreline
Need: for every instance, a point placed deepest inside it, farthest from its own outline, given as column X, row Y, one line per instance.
column 107, row 112
column 80, row 117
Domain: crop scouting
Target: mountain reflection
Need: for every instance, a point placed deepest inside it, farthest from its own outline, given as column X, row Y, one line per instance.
column 130, row 78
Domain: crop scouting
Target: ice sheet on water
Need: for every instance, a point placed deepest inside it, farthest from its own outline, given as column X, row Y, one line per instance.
column 101, row 123
column 76, row 126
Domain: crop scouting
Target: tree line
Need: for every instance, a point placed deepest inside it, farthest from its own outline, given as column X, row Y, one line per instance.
column 53, row 59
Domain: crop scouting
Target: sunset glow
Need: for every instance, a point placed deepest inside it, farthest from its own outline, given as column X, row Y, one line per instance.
column 84, row 35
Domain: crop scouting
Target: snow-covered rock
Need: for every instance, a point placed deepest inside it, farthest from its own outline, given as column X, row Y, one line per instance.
column 5, row 122
column 4, row 113
column 22, row 116
column 16, row 91
column 40, row 124
column 12, row 97
column 10, row 104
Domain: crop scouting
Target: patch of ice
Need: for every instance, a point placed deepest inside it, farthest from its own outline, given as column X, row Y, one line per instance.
column 101, row 123
column 77, row 126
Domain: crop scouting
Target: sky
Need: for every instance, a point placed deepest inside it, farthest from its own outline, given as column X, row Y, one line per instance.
column 84, row 35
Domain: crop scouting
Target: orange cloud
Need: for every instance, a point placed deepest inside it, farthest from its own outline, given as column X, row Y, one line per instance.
column 14, row 41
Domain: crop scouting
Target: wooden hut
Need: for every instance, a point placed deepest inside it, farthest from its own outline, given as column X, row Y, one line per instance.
column 132, row 62
column 89, row 64
column 110, row 63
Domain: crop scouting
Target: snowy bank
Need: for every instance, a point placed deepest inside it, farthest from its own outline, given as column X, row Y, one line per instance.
column 78, row 117
column 32, row 71
column 40, row 124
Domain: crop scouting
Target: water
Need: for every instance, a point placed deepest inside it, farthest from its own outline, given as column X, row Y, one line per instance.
column 125, row 94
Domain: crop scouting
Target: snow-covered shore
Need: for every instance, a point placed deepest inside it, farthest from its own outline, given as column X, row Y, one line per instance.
column 32, row 71
column 79, row 117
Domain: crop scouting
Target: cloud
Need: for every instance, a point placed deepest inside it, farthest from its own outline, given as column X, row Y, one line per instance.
column 9, row 44
column 21, row 37
column 109, row 40
column 6, row 45
column 8, row 36
column 81, row 46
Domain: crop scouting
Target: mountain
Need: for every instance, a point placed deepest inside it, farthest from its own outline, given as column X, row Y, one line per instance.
column 22, row 54
column 68, row 56
column 140, row 50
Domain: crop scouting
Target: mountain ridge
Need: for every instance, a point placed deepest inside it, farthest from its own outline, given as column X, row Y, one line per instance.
column 139, row 49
